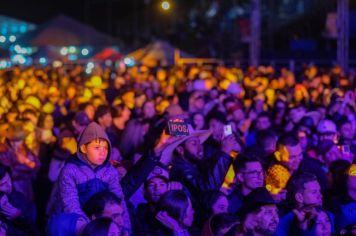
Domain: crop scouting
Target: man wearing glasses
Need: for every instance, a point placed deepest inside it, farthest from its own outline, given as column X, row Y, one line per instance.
column 249, row 176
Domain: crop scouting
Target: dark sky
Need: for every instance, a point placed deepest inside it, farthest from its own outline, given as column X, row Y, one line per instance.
column 87, row 11
column 137, row 22
column 128, row 20
column 102, row 14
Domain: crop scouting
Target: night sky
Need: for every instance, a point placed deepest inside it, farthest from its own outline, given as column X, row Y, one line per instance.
column 137, row 22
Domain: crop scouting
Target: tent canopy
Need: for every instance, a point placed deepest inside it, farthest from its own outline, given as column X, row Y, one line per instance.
column 108, row 54
column 155, row 54
column 48, row 52
column 65, row 31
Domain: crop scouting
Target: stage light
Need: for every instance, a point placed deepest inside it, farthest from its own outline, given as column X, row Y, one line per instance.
column 19, row 59
column 57, row 64
column 2, row 39
column 165, row 5
column 129, row 61
column 72, row 49
column 85, row 51
column 72, row 57
column 17, row 48
column 12, row 38
column 3, row 64
column 42, row 60
column 64, row 51
column 90, row 65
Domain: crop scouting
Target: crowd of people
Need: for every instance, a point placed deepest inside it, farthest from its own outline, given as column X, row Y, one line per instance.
column 91, row 153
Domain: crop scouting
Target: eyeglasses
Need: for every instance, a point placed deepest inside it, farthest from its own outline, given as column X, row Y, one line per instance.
column 254, row 173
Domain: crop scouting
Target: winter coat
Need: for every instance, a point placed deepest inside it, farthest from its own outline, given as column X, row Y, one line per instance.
column 78, row 180
column 204, row 176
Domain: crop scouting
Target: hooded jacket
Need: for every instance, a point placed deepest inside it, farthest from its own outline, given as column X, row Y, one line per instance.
column 79, row 180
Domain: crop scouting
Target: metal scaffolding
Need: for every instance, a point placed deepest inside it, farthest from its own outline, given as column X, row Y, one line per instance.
column 343, row 34
column 255, row 40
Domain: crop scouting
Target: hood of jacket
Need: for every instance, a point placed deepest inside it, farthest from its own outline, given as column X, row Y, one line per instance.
column 91, row 132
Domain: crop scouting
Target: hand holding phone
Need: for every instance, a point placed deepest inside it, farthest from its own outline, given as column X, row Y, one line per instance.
column 227, row 130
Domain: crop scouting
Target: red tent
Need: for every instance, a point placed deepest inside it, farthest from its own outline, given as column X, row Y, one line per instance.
column 108, row 54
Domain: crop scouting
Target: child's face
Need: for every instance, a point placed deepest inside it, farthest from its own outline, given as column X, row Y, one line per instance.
column 96, row 151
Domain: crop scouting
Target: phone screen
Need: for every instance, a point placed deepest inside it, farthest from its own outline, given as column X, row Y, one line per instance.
column 227, row 130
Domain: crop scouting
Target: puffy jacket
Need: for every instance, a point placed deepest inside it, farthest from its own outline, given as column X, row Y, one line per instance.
column 78, row 180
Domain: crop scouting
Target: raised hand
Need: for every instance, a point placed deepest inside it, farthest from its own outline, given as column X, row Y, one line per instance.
column 168, row 221
column 304, row 215
column 164, row 143
column 8, row 210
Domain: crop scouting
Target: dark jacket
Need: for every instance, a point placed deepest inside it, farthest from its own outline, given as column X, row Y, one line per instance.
column 63, row 225
column 25, row 223
column 137, row 175
column 201, row 177
column 345, row 211
column 288, row 226
column 235, row 201
column 144, row 220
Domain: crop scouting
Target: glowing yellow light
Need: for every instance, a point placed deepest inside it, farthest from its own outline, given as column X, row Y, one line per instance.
column 231, row 77
column 96, row 81
column 53, row 91
column 35, row 102
column 21, row 84
column 276, row 178
column 48, row 108
column 225, row 84
column 352, row 170
column 161, row 75
column 161, row 107
column 229, row 178
column 57, row 64
column 165, row 5
column 87, row 94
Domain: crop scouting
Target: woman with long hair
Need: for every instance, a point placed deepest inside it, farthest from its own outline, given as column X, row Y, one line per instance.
column 175, row 212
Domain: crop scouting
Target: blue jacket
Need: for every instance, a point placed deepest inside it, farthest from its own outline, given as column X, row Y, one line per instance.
column 79, row 180
column 287, row 226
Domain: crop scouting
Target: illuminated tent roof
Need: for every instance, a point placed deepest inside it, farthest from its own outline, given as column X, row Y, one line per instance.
column 65, row 31
column 48, row 52
column 11, row 29
column 108, row 54
column 156, row 53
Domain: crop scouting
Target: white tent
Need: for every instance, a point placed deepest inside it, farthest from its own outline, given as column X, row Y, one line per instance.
column 155, row 54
